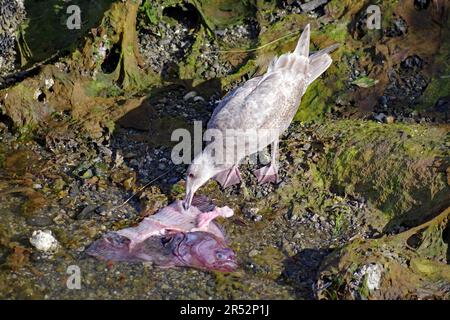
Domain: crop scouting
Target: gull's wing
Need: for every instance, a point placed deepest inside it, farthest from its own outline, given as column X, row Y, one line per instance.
column 264, row 106
column 271, row 101
column 233, row 99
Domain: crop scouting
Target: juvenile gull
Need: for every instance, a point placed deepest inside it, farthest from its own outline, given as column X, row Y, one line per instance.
column 253, row 116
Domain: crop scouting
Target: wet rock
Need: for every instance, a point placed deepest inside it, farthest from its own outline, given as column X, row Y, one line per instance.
column 87, row 213
column 39, row 221
column 380, row 117
column 12, row 13
column 398, row 28
column 421, row 4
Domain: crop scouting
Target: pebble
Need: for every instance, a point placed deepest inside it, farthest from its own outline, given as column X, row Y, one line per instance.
column 44, row 241
column 380, row 117
column 87, row 212
column 40, row 221
column 189, row 95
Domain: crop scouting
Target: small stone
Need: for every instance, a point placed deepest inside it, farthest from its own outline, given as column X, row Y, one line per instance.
column 257, row 218
column 39, row 221
column 37, row 94
column 253, row 253
column 380, row 117
column 390, row 119
column 49, row 83
column 87, row 212
column 161, row 166
column 189, row 95
column 198, row 98
column 306, row 146
column 44, row 241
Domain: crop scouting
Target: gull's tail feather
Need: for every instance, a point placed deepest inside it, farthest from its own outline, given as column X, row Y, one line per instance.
column 300, row 62
column 323, row 51
column 296, row 61
column 318, row 65
column 302, row 47
column 320, row 61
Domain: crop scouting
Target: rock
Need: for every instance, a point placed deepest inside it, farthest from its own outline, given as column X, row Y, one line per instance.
column 40, row 221
column 389, row 119
column 44, row 241
column 257, row 218
column 49, row 83
column 372, row 274
column 189, row 95
column 380, row 117
column 199, row 98
column 312, row 5
column 87, row 212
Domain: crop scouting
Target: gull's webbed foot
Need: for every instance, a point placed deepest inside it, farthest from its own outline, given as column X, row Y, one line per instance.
column 228, row 177
column 266, row 174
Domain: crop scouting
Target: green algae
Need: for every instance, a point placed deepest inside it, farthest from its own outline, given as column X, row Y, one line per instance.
column 395, row 166
column 413, row 265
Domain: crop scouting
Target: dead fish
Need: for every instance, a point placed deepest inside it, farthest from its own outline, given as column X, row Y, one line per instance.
column 175, row 218
column 198, row 249
column 172, row 237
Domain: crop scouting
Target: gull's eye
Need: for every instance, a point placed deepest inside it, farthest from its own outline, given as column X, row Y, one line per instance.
column 190, row 175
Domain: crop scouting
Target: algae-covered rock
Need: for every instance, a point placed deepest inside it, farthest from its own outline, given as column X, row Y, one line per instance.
column 399, row 168
column 409, row 265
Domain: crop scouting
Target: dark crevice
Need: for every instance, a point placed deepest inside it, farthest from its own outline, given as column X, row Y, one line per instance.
column 415, row 240
column 112, row 59
column 186, row 14
column 446, row 238
column 7, row 121
column 422, row 4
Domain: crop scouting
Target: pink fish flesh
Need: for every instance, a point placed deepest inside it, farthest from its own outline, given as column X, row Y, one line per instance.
column 175, row 218
column 173, row 237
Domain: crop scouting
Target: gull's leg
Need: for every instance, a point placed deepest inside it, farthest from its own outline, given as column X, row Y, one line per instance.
column 228, row 177
column 269, row 173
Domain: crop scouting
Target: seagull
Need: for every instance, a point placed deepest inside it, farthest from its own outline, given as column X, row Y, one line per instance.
column 253, row 116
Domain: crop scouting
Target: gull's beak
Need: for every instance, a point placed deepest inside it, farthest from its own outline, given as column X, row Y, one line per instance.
column 188, row 199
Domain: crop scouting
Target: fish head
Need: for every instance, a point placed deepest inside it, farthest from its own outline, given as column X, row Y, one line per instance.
column 206, row 251
column 198, row 173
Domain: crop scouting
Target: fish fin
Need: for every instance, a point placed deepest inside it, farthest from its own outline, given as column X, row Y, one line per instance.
column 205, row 218
column 318, row 65
column 228, row 177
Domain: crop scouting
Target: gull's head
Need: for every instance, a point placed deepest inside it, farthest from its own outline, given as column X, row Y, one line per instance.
column 198, row 173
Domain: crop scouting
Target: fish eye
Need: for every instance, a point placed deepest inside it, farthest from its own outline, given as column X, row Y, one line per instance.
column 220, row 256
